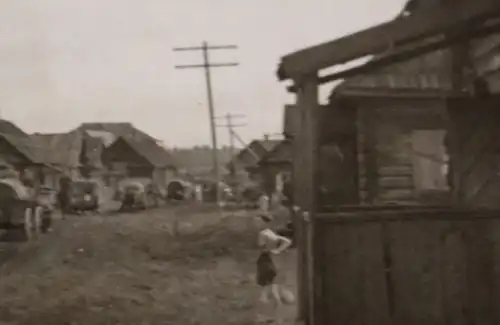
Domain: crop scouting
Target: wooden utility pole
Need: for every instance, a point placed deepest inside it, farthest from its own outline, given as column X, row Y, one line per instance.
column 205, row 48
column 230, row 128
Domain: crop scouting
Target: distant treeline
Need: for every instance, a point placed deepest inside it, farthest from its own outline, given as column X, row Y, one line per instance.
column 200, row 157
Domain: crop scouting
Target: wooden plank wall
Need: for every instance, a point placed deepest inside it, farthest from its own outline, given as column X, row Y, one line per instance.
column 474, row 149
column 384, row 142
column 436, row 268
column 485, row 55
column 475, row 131
column 337, row 161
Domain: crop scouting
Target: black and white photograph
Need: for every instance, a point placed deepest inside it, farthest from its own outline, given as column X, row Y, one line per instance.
column 230, row 162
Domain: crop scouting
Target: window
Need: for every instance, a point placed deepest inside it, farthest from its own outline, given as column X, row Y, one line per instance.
column 429, row 160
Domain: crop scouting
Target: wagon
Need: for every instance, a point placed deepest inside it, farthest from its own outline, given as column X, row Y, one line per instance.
column 383, row 237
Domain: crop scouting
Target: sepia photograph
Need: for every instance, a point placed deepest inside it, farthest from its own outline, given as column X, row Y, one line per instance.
column 217, row 162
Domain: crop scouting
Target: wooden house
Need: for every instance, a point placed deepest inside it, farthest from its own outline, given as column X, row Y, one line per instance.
column 74, row 153
column 82, row 152
column 140, row 157
column 364, row 262
column 25, row 156
column 401, row 111
column 246, row 162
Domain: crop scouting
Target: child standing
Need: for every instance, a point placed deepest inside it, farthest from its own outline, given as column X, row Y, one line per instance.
column 270, row 244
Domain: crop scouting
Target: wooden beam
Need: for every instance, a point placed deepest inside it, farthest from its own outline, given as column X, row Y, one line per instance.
column 297, row 179
column 409, row 53
column 425, row 23
column 307, row 102
column 304, row 178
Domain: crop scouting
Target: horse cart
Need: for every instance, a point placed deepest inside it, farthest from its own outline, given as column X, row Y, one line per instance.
column 397, row 178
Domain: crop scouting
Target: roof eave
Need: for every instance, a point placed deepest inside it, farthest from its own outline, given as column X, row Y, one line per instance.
column 425, row 23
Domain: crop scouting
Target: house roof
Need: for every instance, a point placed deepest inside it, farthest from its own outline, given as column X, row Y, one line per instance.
column 28, row 146
column 424, row 75
column 61, row 148
column 427, row 74
column 428, row 22
column 65, row 148
column 268, row 144
column 149, row 149
column 7, row 127
column 281, row 153
column 106, row 137
column 118, row 129
column 257, row 149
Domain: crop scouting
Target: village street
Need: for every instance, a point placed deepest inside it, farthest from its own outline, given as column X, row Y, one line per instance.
column 172, row 265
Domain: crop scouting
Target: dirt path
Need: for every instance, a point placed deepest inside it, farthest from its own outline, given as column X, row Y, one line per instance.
column 130, row 269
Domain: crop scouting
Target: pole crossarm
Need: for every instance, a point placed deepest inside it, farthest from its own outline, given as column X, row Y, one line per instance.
column 213, row 47
column 212, row 65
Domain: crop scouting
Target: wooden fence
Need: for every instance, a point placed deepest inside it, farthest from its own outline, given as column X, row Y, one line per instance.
column 402, row 266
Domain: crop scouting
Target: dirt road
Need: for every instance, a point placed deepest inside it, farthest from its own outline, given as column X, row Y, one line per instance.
column 144, row 268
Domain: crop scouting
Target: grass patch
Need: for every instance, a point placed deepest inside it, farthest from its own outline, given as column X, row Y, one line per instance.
column 131, row 269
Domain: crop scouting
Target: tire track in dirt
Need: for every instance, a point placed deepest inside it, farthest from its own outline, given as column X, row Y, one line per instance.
column 9, row 249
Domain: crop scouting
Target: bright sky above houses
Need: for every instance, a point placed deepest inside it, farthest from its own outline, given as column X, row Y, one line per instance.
column 64, row 62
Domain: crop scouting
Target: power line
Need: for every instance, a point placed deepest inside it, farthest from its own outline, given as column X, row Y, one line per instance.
column 205, row 48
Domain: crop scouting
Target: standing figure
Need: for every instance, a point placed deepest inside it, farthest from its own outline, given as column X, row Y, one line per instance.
column 198, row 193
column 270, row 244
column 33, row 209
column 63, row 201
column 263, row 204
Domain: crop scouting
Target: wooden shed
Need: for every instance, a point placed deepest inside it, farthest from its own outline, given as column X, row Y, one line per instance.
column 365, row 262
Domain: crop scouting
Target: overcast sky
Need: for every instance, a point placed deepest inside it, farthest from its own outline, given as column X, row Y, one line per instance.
column 64, row 62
